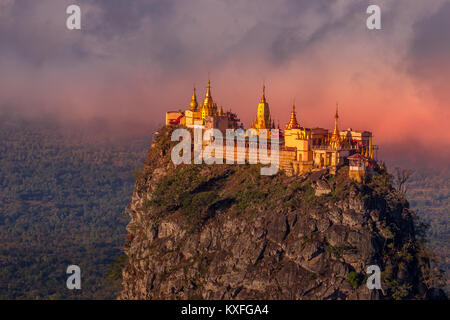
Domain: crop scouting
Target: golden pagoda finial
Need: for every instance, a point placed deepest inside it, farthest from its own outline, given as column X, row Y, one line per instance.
column 208, row 89
column 208, row 107
column 293, row 120
column 263, row 98
column 335, row 140
column 263, row 119
column 336, row 118
column 194, row 103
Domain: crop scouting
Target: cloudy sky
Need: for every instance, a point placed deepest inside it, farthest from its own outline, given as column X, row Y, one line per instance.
column 135, row 59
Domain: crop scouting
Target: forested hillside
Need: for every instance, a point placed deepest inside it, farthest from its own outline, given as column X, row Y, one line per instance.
column 429, row 194
column 62, row 195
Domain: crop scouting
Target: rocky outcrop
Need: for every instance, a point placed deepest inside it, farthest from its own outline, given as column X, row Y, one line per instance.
column 225, row 232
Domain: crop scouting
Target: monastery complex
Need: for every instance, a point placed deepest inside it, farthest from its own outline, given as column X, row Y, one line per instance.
column 301, row 149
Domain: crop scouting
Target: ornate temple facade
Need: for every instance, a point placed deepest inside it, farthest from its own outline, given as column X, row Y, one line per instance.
column 301, row 149
column 208, row 114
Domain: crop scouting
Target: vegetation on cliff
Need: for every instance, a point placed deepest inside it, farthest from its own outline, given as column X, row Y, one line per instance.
column 226, row 232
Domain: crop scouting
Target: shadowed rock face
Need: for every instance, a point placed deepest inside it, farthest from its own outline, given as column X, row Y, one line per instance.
column 225, row 232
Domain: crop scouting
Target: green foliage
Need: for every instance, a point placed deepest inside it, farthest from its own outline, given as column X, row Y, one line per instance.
column 199, row 202
column 388, row 233
column 191, row 189
column 196, row 205
column 399, row 291
column 171, row 190
column 340, row 184
column 336, row 251
column 308, row 193
column 248, row 197
column 355, row 279
column 382, row 183
column 115, row 269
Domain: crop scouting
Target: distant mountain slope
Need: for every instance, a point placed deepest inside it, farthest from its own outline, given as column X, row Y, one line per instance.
column 61, row 197
column 429, row 195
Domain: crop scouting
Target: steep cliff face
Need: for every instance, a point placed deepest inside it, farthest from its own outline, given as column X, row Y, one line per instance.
column 226, row 232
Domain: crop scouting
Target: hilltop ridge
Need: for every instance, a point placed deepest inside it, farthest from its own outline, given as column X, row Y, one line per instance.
column 226, row 232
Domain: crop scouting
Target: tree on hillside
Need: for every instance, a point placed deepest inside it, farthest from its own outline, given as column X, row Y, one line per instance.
column 402, row 176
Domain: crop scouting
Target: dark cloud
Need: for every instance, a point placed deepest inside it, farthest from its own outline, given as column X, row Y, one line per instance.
column 432, row 36
column 291, row 42
column 118, row 17
column 429, row 58
column 178, row 35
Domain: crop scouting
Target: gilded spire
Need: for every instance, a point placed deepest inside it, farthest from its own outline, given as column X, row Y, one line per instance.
column 263, row 119
column 293, row 121
column 208, row 90
column 263, row 98
column 208, row 104
column 335, row 140
column 194, row 103
column 336, row 118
